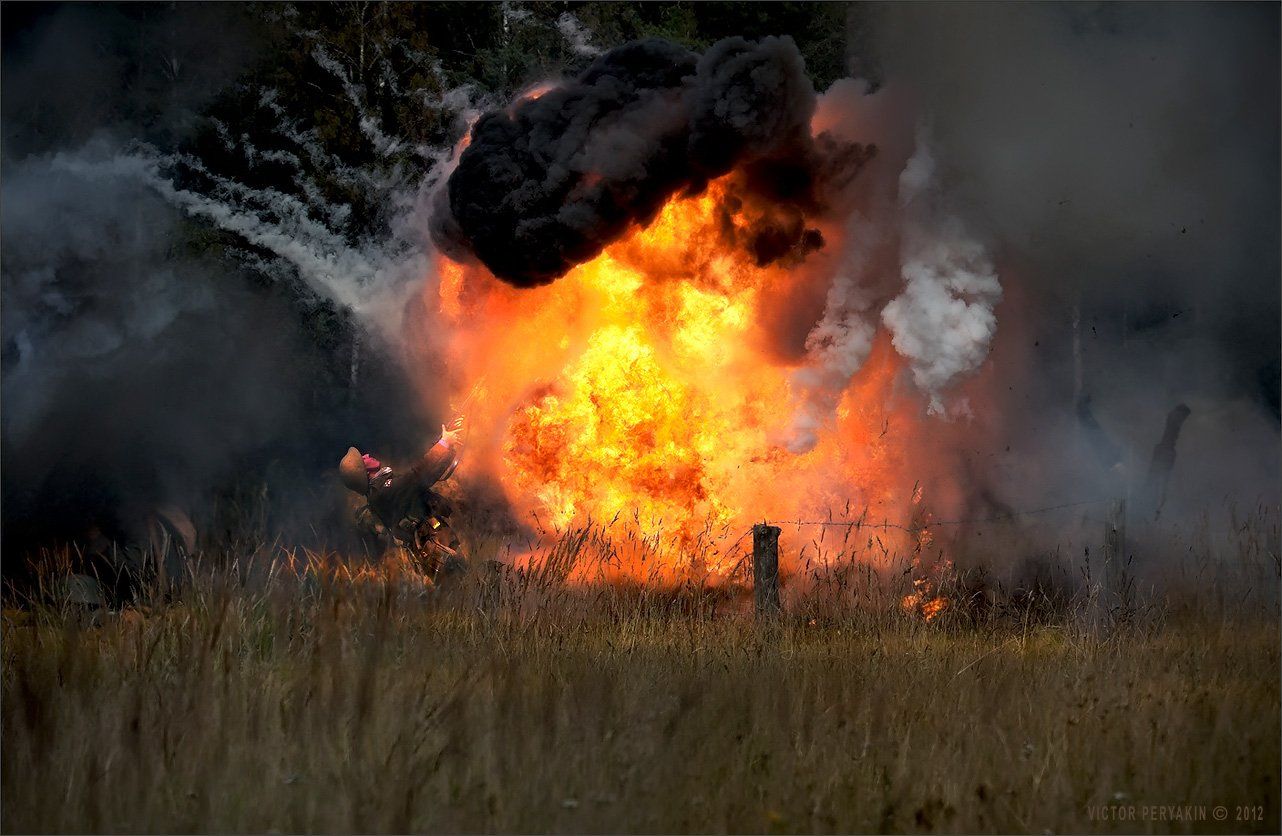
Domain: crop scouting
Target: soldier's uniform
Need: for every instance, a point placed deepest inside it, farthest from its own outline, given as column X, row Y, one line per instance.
column 404, row 503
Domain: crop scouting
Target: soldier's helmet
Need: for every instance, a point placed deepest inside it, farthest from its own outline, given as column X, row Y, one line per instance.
column 352, row 471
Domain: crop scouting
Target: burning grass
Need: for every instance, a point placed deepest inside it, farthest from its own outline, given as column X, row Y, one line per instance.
column 360, row 700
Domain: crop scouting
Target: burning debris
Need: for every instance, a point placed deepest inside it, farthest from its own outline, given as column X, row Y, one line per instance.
column 928, row 599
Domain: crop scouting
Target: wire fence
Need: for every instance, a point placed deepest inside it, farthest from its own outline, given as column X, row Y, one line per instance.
column 915, row 527
column 912, row 528
column 864, row 524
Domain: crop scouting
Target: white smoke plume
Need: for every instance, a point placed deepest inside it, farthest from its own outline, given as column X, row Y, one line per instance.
column 943, row 322
column 935, row 296
column 306, row 232
column 577, row 36
column 839, row 343
column 360, row 277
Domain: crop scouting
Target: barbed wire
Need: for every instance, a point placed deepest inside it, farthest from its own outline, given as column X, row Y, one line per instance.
column 884, row 525
column 863, row 523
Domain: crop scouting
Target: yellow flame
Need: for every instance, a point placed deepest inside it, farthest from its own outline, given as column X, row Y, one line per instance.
column 639, row 383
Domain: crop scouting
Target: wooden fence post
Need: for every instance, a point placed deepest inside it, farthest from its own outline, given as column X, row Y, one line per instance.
column 765, row 569
column 1114, row 545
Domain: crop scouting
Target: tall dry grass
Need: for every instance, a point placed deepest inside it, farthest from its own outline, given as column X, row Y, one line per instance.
column 321, row 698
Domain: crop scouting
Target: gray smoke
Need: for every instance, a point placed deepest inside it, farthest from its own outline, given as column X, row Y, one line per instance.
column 131, row 368
column 839, row 343
column 170, row 331
column 1123, row 162
column 1117, row 166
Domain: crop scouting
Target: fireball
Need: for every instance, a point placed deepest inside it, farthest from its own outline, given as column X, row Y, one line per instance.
column 640, row 386
column 679, row 307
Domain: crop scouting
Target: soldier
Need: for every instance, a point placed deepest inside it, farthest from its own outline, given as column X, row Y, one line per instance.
column 405, row 504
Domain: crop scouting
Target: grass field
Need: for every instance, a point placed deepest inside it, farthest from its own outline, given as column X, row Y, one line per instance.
column 359, row 703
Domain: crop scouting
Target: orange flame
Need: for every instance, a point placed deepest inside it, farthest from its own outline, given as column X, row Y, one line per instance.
column 643, row 385
column 928, row 598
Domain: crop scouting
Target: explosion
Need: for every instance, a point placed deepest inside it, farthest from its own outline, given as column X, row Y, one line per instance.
column 619, row 320
column 638, row 385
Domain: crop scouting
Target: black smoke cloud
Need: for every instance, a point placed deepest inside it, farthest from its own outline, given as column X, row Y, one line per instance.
column 550, row 181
